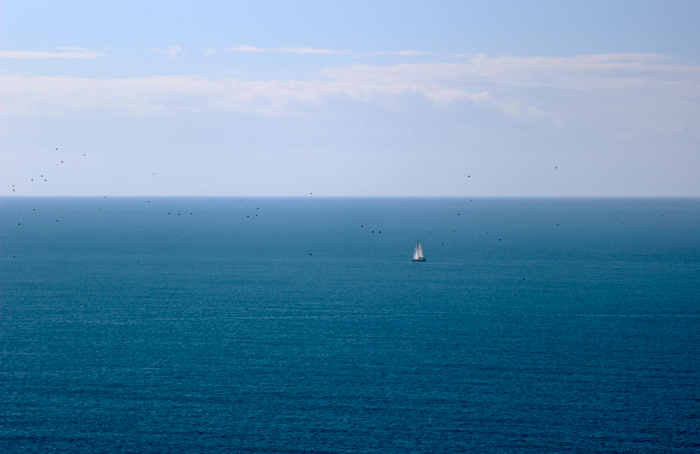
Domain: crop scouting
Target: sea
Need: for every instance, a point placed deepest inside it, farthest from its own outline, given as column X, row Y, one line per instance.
column 301, row 325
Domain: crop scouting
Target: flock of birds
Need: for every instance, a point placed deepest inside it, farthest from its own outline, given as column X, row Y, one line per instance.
column 14, row 188
column 62, row 162
column 42, row 176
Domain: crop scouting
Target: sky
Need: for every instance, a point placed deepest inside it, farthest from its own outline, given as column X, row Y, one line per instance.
column 350, row 98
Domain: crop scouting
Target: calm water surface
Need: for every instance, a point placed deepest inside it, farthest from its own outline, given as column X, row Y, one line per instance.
column 292, row 325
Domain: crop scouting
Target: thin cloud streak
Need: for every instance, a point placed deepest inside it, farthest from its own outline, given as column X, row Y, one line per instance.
column 57, row 96
column 172, row 52
column 20, row 54
column 405, row 53
column 291, row 50
column 309, row 50
column 641, row 90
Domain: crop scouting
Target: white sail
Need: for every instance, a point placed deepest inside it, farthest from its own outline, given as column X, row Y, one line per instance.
column 418, row 253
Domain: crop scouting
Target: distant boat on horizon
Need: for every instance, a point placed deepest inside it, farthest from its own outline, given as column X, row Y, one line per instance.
column 418, row 253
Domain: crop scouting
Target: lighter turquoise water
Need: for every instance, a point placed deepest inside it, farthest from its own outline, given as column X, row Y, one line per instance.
column 294, row 325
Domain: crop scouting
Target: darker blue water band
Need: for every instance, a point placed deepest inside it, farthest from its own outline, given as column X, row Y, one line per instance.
column 291, row 325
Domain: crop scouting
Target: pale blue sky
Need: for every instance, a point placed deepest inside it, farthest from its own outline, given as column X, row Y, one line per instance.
column 350, row 98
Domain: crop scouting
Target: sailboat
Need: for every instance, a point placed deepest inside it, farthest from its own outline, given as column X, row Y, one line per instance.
column 418, row 253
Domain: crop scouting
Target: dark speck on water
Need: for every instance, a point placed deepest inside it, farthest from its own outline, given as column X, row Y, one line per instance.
column 228, row 341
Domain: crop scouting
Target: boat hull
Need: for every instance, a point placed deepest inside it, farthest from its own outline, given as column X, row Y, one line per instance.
column 419, row 260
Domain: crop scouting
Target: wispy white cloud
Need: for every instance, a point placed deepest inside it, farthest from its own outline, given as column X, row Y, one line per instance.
column 67, row 52
column 587, row 73
column 141, row 96
column 73, row 48
column 171, row 52
column 291, row 50
column 651, row 89
column 310, row 50
column 404, row 53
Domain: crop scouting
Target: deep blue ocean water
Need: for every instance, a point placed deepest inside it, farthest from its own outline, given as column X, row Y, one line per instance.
column 292, row 325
